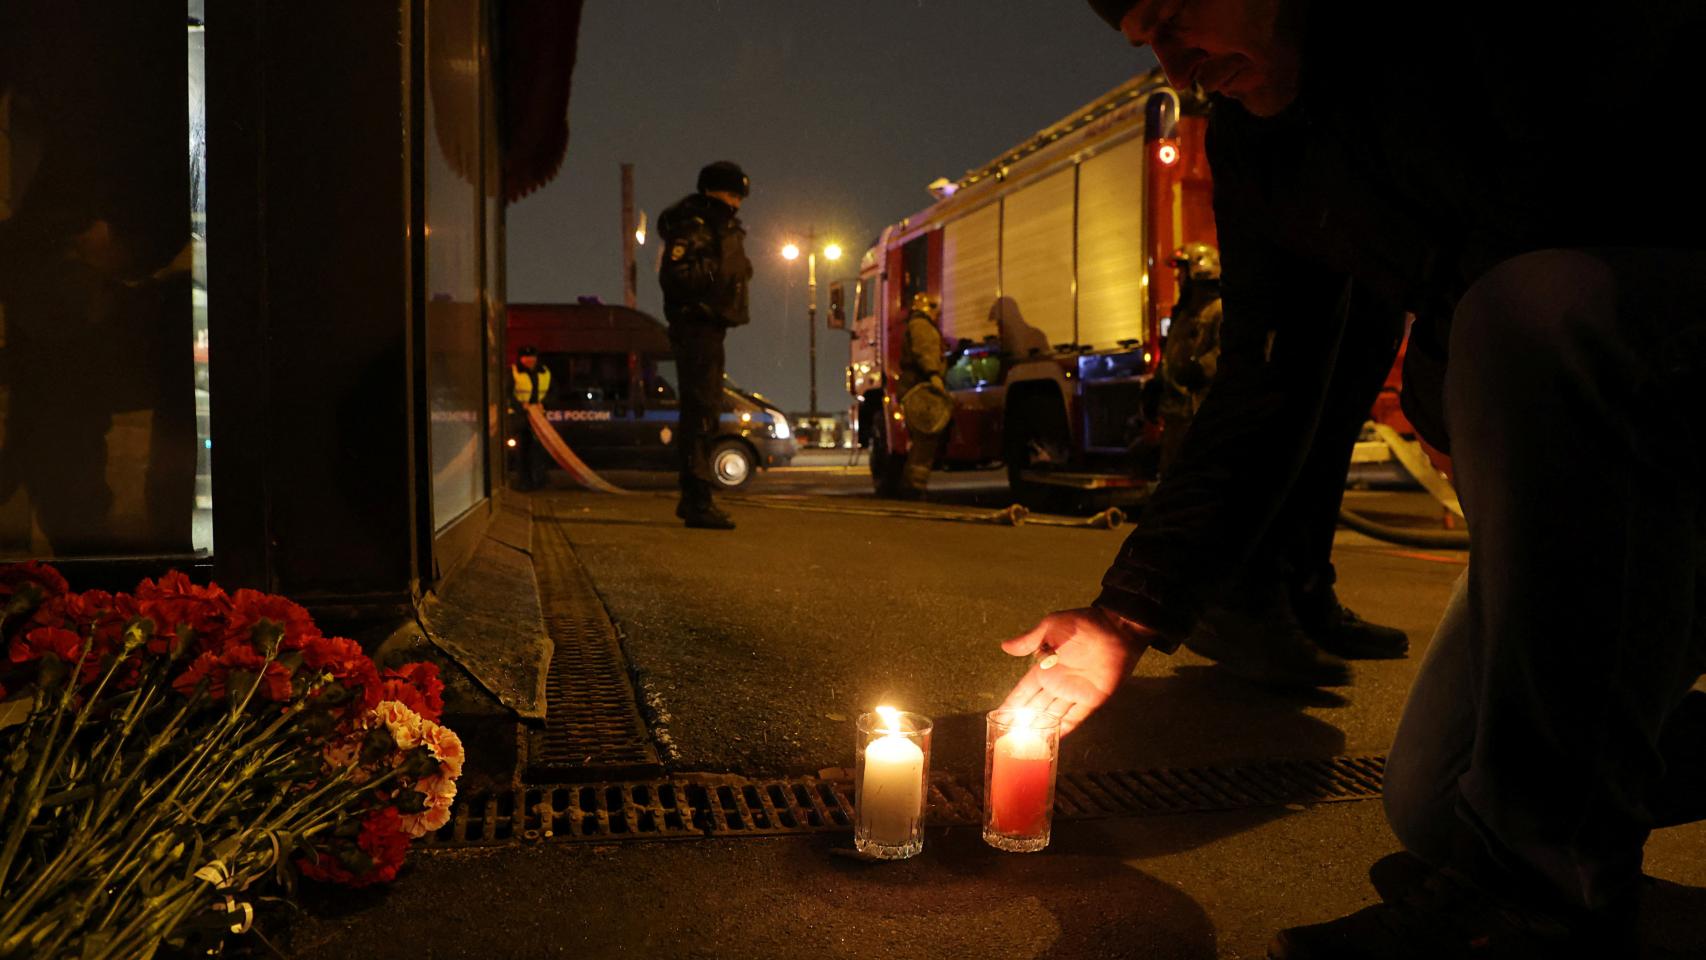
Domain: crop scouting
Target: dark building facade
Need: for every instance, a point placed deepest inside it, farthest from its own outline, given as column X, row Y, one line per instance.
column 251, row 283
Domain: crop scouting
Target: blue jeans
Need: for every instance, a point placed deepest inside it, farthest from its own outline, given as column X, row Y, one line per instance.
column 1551, row 727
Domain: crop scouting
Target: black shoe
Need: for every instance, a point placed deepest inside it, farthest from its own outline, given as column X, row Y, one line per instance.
column 1266, row 645
column 1397, row 875
column 911, row 493
column 1342, row 633
column 1446, row 919
column 706, row 517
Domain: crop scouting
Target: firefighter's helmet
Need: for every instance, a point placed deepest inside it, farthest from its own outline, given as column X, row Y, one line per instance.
column 928, row 305
column 1197, row 262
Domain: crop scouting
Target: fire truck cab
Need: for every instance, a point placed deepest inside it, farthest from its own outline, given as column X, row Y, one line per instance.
column 1052, row 266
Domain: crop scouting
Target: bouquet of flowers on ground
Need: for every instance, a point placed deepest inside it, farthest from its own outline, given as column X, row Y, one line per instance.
column 166, row 755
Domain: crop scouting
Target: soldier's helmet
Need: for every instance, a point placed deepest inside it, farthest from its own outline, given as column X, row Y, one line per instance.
column 1197, row 262
column 928, row 305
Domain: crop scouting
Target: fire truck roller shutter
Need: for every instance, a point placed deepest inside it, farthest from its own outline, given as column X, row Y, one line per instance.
column 1036, row 254
column 971, row 274
column 1110, row 246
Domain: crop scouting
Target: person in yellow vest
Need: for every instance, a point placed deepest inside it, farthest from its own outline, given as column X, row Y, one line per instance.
column 532, row 383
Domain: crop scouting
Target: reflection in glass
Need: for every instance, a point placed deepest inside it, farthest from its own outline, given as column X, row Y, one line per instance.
column 455, row 204
column 98, row 409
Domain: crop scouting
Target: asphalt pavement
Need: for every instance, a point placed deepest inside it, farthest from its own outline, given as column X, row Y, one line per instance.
column 756, row 648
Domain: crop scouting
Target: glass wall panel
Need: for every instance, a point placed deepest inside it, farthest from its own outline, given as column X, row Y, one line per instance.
column 455, row 335
column 98, row 403
column 203, row 527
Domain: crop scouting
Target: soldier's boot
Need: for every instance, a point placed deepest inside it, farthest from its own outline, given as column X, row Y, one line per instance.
column 701, row 513
column 1258, row 638
column 1338, row 630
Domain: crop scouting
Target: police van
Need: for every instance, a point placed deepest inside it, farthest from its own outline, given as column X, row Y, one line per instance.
column 613, row 394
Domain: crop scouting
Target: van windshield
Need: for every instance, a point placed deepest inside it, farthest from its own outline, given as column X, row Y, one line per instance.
column 658, row 379
column 588, row 380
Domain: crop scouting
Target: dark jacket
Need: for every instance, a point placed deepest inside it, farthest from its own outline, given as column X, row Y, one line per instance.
column 704, row 272
column 1429, row 143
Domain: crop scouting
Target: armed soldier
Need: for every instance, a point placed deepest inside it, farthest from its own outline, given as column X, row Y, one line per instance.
column 924, row 400
column 705, row 275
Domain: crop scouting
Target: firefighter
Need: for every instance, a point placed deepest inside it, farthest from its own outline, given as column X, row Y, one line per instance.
column 1364, row 165
column 1193, row 344
column 704, row 274
column 530, row 382
column 924, row 400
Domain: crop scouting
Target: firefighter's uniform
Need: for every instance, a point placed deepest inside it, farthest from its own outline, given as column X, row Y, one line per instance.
column 924, row 400
column 705, row 276
column 1193, row 345
column 529, row 387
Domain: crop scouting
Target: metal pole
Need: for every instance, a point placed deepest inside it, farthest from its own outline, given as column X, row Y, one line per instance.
column 630, row 280
column 811, row 321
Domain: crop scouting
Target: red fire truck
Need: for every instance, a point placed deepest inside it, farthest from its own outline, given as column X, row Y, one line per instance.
column 1052, row 265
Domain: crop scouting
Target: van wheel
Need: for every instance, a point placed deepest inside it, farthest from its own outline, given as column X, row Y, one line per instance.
column 733, row 464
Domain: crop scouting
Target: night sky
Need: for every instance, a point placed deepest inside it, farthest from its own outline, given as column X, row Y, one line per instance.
column 841, row 113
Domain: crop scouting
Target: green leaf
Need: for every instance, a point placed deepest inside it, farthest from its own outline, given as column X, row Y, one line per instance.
column 15, row 710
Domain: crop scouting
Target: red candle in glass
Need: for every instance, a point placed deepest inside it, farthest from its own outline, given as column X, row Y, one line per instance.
column 1019, row 783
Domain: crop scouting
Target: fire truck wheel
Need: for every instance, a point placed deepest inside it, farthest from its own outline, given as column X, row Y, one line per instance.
column 1035, row 427
column 733, row 463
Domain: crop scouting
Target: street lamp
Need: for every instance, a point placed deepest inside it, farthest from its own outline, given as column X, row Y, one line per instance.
column 831, row 252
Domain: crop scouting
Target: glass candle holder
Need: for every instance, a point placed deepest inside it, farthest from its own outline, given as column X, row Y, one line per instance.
column 1021, row 755
column 891, row 784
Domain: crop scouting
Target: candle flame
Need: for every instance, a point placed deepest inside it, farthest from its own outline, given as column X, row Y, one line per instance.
column 891, row 719
column 1024, row 718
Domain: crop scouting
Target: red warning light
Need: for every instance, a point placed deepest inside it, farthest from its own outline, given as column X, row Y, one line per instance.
column 1168, row 154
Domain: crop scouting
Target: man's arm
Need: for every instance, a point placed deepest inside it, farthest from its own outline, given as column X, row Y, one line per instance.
column 688, row 273
column 1279, row 336
column 1282, row 316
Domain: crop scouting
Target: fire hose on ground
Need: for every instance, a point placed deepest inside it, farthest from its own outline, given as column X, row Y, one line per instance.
column 574, row 466
column 1415, row 462
column 1012, row 515
column 1407, row 452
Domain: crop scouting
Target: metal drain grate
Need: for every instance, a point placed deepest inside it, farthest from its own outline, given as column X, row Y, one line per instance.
column 1084, row 796
column 593, row 729
column 693, row 806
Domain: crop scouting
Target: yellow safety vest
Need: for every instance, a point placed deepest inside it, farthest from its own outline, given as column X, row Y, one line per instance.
column 524, row 378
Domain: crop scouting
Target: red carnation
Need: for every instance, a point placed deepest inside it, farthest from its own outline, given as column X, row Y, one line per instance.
column 416, row 686
column 62, row 643
column 348, row 665
column 178, row 608
column 382, row 843
column 216, row 669
column 251, row 607
column 14, row 576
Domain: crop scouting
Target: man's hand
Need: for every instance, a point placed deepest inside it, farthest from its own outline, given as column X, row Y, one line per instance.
column 1093, row 652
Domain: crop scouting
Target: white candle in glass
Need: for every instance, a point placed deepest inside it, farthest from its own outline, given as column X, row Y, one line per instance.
column 891, row 798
